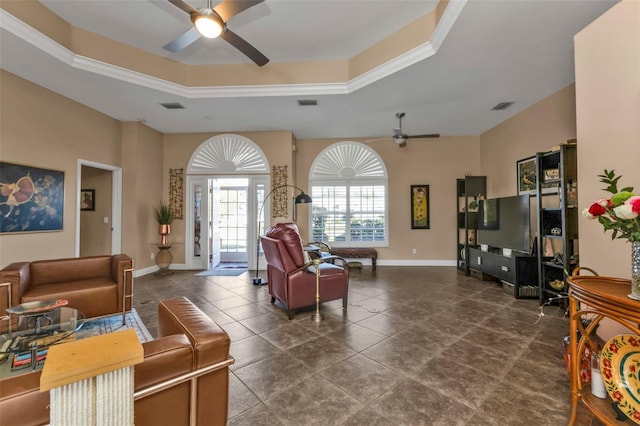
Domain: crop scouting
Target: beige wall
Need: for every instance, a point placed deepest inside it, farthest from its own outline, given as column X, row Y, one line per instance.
column 435, row 162
column 42, row 129
column 607, row 56
column 141, row 190
column 536, row 129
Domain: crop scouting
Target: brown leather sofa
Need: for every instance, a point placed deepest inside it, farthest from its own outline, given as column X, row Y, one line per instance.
column 292, row 279
column 186, row 366
column 96, row 285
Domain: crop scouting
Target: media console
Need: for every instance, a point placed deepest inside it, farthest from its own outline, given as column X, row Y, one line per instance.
column 518, row 272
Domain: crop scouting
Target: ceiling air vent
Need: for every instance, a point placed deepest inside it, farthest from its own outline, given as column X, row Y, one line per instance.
column 172, row 105
column 307, row 102
column 501, row 106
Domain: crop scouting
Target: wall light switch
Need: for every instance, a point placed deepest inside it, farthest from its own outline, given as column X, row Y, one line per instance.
column 106, row 219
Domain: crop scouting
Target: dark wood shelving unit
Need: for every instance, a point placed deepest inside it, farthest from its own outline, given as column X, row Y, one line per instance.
column 557, row 226
column 468, row 189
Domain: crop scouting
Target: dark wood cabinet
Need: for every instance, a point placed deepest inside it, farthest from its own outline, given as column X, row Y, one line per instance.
column 518, row 273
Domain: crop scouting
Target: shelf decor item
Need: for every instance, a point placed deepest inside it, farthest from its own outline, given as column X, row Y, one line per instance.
column 620, row 214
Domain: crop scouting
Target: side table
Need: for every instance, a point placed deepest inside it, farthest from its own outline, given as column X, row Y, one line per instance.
column 595, row 298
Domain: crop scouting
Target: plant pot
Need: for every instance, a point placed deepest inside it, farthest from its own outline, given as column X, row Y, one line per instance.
column 164, row 230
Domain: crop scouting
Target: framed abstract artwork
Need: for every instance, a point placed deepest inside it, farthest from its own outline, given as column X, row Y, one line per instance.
column 419, row 206
column 31, row 199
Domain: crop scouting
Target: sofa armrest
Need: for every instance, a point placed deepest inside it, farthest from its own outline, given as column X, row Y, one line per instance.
column 164, row 358
column 119, row 264
column 181, row 316
column 19, row 275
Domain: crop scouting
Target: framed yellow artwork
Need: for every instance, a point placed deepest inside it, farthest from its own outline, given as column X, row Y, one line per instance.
column 419, row 206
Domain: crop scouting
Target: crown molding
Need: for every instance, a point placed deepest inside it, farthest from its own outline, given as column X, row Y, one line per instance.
column 50, row 47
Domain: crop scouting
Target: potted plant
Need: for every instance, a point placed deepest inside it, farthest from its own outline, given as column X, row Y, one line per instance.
column 164, row 216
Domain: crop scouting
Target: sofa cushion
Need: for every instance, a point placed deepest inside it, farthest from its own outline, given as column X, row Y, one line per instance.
column 74, row 269
column 95, row 296
column 289, row 235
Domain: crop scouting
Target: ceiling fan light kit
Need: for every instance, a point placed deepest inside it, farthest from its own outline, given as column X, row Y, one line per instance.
column 400, row 138
column 212, row 22
column 208, row 23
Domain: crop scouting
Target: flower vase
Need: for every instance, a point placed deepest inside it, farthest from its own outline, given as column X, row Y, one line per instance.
column 635, row 270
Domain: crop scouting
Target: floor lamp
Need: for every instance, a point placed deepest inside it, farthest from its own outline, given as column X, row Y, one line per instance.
column 301, row 198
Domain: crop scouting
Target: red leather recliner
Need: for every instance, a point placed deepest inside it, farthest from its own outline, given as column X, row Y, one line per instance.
column 292, row 280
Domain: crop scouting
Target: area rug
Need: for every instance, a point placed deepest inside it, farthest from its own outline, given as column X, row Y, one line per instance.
column 231, row 272
column 231, row 265
column 111, row 323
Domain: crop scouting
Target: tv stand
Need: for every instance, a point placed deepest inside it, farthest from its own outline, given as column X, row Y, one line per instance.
column 518, row 272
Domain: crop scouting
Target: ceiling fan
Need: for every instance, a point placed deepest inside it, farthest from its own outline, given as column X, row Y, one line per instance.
column 401, row 138
column 212, row 22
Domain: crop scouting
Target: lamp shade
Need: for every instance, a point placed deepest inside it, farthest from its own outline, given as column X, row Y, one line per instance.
column 303, row 199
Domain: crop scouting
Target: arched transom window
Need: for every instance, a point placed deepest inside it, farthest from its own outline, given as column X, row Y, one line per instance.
column 348, row 182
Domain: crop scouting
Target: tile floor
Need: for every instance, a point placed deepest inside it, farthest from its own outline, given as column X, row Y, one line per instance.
column 417, row 346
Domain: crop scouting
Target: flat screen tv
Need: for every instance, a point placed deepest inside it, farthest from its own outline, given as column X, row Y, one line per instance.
column 504, row 223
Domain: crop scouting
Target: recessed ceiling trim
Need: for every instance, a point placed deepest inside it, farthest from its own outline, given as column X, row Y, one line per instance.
column 51, row 47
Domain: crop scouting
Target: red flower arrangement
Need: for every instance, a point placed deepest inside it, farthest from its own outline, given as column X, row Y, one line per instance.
column 620, row 213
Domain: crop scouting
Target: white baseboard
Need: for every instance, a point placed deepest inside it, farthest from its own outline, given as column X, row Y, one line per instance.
column 365, row 262
column 412, row 262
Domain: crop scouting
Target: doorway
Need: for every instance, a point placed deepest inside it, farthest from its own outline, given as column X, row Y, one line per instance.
column 98, row 228
column 221, row 225
column 225, row 222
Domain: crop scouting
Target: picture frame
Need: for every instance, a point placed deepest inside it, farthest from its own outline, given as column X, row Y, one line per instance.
column 87, row 199
column 551, row 174
column 526, row 173
column 419, row 206
column 31, row 199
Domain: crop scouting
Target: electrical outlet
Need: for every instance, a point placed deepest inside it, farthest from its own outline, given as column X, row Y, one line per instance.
column 413, row 251
column 152, row 256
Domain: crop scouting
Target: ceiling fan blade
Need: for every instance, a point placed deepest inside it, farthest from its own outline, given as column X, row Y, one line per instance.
column 431, row 135
column 243, row 46
column 184, row 6
column 183, row 40
column 230, row 8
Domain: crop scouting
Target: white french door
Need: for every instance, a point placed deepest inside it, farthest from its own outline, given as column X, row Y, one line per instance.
column 222, row 222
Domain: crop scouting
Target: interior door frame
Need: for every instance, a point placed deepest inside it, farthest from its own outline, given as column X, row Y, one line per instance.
column 116, row 203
